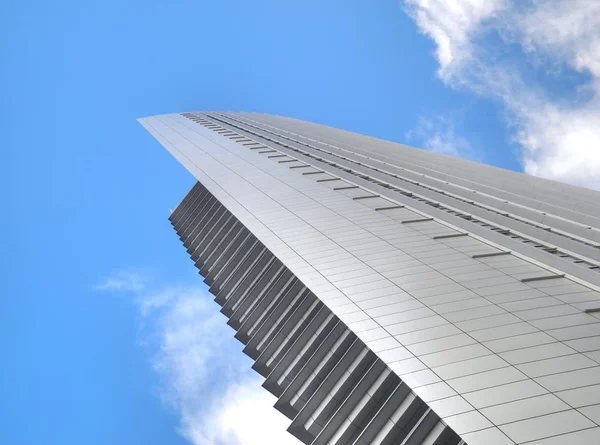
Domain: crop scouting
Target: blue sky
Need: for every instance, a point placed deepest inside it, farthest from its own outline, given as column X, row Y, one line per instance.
column 101, row 311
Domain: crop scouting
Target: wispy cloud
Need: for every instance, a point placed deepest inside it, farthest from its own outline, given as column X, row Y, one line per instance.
column 124, row 281
column 438, row 134
column 502, row 48
column 204, row 375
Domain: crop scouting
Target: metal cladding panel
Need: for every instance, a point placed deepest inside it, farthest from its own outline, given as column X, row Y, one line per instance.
column 498, row 182
column 328, row 382
column 475, row 330
column 554, row 234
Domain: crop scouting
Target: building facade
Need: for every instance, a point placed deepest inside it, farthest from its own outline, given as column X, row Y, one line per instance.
column 390, row 295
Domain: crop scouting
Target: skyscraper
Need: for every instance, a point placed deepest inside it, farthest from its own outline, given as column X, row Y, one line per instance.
column 391, row 295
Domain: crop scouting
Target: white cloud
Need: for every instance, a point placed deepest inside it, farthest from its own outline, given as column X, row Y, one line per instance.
column 453, row 24
column 204, row 376
column 244, row 416
column 438, row 134
column 124, row 281
column 559, row 133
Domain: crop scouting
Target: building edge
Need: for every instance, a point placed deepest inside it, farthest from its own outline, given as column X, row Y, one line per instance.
column 333, row 387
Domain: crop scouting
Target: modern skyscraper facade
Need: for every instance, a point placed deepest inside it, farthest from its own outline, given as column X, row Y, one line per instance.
column 391, row 295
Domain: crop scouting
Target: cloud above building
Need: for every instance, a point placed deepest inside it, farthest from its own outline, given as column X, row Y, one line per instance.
column 540, row 60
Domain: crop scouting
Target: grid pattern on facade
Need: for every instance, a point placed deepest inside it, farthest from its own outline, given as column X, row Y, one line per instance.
column 559, row 237
column 333, row 388
column 475, row 331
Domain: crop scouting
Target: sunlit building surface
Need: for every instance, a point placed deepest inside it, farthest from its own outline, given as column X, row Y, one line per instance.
column 390, row 295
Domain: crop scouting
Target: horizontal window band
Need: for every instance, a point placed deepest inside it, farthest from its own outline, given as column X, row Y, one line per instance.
column 329, row 179
column 312, row 173
column 411, row 221
column 347, row 188
column 365, row 197
column 546, row 277
column 300, row 166
column 452, row 235
column 400, row 206
column 488, row 255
